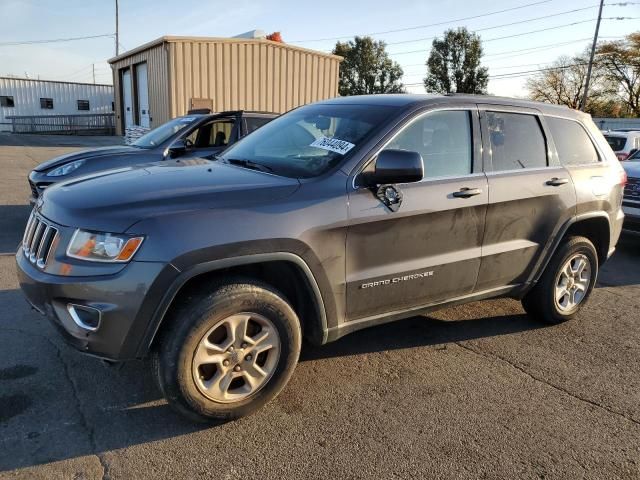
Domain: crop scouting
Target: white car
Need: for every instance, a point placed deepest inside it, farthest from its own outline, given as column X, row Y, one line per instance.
column 623, row 142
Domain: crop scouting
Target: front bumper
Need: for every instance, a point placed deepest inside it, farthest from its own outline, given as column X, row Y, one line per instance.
column 631, row 216
column 126, row 301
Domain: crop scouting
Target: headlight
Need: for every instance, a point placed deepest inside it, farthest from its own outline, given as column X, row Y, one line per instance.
column 65, row 169
column 103, row 247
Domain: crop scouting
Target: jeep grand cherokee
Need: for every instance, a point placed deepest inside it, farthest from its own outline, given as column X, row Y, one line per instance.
column 337, row 216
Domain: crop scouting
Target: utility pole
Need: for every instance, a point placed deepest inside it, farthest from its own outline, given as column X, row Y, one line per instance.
column 118, row 36
column 93, row 71
column 593, row 52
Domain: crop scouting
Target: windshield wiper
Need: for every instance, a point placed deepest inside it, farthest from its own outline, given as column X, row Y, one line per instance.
column 247, row 164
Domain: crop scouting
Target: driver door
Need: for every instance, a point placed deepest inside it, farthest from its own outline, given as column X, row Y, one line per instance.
column 428, row 250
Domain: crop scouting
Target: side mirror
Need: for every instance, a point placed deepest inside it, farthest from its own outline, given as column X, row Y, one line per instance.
column 177, row 148
column 396, row 166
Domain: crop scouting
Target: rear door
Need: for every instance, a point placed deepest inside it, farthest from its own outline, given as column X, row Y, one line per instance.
column 429, row 249
column 530, row 195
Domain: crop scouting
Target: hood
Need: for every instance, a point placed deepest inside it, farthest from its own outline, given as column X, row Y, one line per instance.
column 114, row 200
column 632, row 167
column 94, row 152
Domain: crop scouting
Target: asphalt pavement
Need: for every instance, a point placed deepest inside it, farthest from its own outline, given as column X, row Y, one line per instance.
column 476, row 391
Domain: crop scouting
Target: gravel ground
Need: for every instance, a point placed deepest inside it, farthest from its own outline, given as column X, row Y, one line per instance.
column 477, row 391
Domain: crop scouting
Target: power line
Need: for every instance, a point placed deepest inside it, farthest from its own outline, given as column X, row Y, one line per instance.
column 53, row 40
column 526, row 33
column 445, row 22
column 427, row 26
column 519, row 22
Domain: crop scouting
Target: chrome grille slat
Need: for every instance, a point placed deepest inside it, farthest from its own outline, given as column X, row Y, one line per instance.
column 35, row 243
column 38, row 240
column 26, row 230
column 32, row 241
column 29, row 235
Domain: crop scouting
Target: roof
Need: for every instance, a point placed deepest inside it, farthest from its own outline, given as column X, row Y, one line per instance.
column 55, row 81
column 178, row 39
column 404, row 99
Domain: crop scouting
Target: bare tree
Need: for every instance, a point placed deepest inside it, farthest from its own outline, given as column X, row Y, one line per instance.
column 621, row 62
column 563, row 83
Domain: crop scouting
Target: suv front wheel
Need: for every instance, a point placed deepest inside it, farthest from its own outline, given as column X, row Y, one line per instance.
column 565, row 284
column 228, row 352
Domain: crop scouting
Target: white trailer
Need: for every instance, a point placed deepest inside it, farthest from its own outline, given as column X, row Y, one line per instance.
column 26, row 97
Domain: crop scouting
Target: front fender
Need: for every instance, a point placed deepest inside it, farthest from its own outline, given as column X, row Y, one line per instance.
column 195, row 269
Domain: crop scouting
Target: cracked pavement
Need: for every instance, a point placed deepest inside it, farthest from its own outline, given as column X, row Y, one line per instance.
column 475, row 391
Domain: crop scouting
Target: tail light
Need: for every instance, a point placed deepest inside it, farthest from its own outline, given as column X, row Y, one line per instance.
column 621, row 156
column 623, row 178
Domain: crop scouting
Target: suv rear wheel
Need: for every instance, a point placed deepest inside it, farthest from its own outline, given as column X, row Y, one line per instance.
column 227, row 353
column 565, row 284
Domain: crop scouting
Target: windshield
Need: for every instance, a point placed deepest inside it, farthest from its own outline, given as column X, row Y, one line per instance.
column 308, row 141
column 635, row 157
column 616, row 143
column 158, row 135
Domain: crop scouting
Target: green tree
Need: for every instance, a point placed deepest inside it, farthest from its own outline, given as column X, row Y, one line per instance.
column 621, row 61
column 367, row 68
column 454, row 66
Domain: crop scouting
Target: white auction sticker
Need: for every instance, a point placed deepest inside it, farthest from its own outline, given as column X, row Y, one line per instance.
column 333, row 145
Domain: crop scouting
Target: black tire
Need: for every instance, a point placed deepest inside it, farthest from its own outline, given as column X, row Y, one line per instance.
column 540, row 301
column 173, row 355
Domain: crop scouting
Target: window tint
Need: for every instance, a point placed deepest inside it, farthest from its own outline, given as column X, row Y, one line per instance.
column 516, row 141
column 254, row 123
column 572, row 142
column 220, row 133
column 83, row 105
column 6, row 101
column 443, row 139
column 46, row 103
column 212, row 134
column 616, row 143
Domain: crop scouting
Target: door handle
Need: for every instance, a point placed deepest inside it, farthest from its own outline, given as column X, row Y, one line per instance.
column 466, row 192
column 556, row 182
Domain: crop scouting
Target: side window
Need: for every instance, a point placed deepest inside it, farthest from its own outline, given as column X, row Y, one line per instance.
column 220, row 133
column 254, row 123
column 443, row 139
column 572, row 142
column 516, row 141
column 212, row 134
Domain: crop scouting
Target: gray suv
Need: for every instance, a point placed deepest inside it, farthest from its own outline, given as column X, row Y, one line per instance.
column 334, row 217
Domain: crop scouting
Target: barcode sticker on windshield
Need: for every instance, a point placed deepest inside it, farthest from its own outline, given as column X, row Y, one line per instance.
column 333, row 145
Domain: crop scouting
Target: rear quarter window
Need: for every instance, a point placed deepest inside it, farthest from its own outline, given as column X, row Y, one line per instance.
column 616, row 143
column 572, row 142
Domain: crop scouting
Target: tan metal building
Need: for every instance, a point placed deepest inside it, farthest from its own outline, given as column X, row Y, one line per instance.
column 171, row 75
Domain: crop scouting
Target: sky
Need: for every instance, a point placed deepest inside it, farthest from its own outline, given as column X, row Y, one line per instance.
column 531, row 42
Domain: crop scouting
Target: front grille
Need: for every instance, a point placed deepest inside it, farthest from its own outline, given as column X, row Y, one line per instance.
column 632, row 189
column 38, row 239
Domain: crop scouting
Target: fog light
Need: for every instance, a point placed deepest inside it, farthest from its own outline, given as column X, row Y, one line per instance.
column 85, row 317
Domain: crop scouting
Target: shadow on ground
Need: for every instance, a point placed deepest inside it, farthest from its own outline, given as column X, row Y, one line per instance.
column 13, row 219
column 620, row 270
column 62, row 405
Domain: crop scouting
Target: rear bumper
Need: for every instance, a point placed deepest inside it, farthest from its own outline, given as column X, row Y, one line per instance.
column 126, row 303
